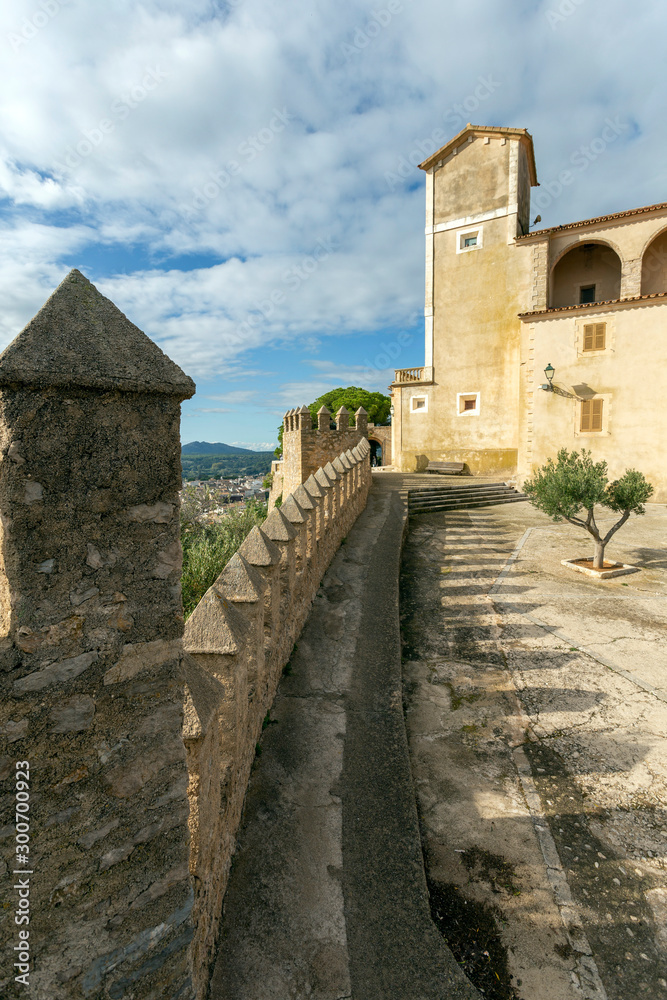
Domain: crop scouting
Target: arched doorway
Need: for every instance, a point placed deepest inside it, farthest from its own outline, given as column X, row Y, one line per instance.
column 589, row 272
column 376, row 452
column 654, row 266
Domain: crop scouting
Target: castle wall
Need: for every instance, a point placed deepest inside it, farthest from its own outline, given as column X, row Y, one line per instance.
column 307, row 448
column 237, row 641
column 92, row 694
column 125, row 754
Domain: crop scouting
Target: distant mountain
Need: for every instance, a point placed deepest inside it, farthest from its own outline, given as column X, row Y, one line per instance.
column 206, row 448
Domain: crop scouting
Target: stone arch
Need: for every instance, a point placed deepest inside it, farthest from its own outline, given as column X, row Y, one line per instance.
column 585, row 272
column 376, row 451
column 654, row 265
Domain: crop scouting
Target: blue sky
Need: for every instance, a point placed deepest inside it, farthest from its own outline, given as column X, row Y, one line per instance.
column 239, row 177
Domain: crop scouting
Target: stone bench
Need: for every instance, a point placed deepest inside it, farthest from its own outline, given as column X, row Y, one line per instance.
column 449, row 468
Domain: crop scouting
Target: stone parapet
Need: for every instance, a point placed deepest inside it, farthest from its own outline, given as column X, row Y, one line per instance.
column 91, row 649
column 125, row 754
column 307, row 449
column 238, row 640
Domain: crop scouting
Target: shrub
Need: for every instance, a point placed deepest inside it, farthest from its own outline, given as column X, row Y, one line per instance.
column 575, row 483
column 207, row 548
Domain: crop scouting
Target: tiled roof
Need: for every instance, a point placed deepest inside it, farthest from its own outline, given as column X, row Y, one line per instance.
column 596, row 221
column 594, row 305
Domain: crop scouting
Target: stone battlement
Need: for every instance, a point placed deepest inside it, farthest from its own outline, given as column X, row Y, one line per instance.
column 307, row 448
column 137, row 746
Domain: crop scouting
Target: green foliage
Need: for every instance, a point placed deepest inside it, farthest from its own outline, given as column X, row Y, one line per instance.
column 629, row 492
column 208, row 548
column 377, row 407
column 267, row 482
column 574, row 484
column 256, row 463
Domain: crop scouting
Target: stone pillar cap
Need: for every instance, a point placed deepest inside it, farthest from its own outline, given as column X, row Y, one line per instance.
column 80, row 338
column 323, row 409
column 361, row 411
column 343, row 409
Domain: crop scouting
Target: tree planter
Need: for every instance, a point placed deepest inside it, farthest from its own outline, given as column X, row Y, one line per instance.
column 610, row 568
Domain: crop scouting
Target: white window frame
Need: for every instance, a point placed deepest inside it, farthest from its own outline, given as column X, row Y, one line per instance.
column 460, row 396
column 418, row 409
column 461, row 234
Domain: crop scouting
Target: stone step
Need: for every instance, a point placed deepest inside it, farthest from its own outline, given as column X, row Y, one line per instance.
column 424, row 508
column 462, row 491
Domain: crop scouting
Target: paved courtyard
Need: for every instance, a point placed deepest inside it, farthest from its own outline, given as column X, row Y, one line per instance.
column 536, row 704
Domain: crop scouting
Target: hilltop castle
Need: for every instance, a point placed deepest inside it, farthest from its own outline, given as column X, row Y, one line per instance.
column 587, row 301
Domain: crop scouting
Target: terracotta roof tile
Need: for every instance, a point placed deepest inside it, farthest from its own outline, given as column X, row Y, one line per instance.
column 598, row 219
column 594, row 305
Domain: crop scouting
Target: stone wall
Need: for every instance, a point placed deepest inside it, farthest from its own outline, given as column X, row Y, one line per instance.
column 307, row 448
column 125, row 756
column 90, row 657
column 237, row 641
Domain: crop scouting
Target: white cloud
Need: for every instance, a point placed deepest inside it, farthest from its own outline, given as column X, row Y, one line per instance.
column 186, row 92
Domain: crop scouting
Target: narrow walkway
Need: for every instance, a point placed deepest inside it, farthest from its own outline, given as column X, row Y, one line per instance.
column 327, row 897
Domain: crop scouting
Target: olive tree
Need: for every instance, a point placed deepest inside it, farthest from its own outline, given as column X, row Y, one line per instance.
column 570, row 488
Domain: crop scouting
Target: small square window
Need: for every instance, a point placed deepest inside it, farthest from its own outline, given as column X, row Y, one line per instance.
column 586, row 294
column 591, row 415
column 467, row 403
column 595, row 335
column 469, row 239
column 418, row 404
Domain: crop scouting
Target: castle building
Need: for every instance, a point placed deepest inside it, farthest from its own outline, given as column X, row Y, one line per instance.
column 504, row 303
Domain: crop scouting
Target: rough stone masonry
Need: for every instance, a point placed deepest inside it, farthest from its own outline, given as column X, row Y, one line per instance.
column 92, row 700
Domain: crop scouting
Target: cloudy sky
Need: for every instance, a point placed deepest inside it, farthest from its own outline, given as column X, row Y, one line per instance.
column 239, row 177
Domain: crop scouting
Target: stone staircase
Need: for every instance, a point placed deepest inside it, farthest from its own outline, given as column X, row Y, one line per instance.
column 424, row 499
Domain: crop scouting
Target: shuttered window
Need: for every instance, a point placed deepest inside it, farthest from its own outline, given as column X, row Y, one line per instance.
column 595, row 336
column 591, row 415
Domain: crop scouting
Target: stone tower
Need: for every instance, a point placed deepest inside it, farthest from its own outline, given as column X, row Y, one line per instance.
column 463, row 404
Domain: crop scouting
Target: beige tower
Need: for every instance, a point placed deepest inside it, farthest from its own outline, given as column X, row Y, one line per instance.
column 463, row 404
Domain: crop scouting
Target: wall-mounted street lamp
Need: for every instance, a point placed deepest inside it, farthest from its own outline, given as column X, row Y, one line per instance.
column 549, row 371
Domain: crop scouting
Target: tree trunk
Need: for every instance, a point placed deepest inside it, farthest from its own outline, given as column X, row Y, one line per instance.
column 598, row 558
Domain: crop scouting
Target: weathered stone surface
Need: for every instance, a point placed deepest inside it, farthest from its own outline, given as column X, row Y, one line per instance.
column 56, row 673
column 292, row 511
column 73, row 715
column 91, row 344
column 141, row 656
column 277, row 527
column 89, row 481
column 259, row 550
column 215, row 626
column 160, row 513
column 239, row 582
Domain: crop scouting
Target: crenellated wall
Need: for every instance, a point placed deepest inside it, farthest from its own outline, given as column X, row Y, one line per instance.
column 237, row 642
column 125, row 751
column 307, row 448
